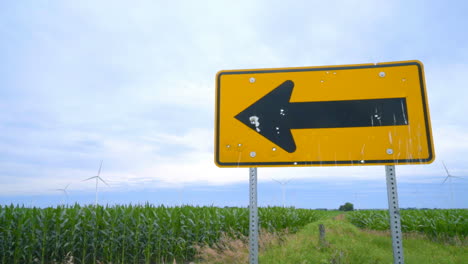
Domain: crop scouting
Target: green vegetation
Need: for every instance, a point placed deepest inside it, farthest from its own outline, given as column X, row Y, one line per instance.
column 150, row 234
column 347, row 207
column 129, row 234
column 439, row 224
column 345, row 243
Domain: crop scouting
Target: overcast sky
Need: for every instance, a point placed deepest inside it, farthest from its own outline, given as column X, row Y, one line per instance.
column 132, row 83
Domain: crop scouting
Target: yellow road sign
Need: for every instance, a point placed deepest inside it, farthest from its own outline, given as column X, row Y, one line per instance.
column 363, row 114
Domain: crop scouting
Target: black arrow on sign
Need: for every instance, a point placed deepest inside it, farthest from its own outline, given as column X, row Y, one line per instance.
column 273, row 116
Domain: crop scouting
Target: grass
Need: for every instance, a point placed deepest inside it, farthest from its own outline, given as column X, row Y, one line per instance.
column 345, row 243
column 235, row 250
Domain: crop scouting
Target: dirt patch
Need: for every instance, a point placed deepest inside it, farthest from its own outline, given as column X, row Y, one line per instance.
column 340, row 217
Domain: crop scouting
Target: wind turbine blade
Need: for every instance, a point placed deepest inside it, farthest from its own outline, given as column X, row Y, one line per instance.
column 445, row 167
column 66, row 186
column 286, row 182
column 446, row 178
column 103, row 181
column 90, row 178
column 277, row 181
column 99, row 171
column 458, row 177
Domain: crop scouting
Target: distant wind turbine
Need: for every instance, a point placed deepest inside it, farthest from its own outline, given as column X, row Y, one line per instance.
column 283, row 189
column 449, row 178
column 98, row 178
column 64, row 190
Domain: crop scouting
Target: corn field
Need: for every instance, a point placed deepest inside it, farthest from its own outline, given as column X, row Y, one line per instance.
column 128, row 234
column 435, row 223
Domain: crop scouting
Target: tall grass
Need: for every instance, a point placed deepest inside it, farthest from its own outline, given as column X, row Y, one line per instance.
column 128, row 234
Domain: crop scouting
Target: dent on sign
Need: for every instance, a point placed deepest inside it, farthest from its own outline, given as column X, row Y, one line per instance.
column 364, row 114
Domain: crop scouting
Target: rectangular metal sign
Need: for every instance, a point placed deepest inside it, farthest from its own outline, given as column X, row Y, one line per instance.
column 365, row 114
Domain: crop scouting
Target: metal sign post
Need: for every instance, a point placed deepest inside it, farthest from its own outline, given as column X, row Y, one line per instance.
column 253, row 214
column 394, row 210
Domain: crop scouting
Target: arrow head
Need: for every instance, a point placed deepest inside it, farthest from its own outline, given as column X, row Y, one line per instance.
column 269, row 117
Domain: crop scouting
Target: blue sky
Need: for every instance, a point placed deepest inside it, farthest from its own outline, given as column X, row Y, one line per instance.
column 133, row 84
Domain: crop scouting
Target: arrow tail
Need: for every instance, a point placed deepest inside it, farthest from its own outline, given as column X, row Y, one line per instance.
column 352, row 113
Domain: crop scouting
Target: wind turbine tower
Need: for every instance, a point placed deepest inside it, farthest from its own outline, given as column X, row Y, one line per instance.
column 64, row 190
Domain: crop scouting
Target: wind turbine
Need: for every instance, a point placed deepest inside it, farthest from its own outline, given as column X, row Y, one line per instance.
column 98, row 178
column 64, row 190
column 283, row 189
column 449, row 178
